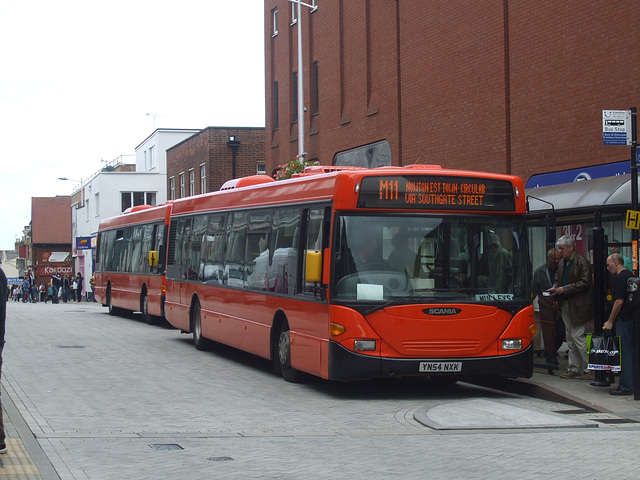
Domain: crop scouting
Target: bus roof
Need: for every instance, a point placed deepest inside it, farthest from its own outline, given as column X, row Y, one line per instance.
column 340, row 186
column 137, row 215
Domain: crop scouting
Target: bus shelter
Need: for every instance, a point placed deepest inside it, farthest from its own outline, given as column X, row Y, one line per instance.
column 594, row 213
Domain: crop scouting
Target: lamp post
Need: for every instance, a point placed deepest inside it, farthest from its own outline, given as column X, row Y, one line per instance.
column 71, row 180
column 301, row 153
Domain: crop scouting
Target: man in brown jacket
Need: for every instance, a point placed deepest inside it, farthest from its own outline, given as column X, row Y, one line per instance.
column 573, row 288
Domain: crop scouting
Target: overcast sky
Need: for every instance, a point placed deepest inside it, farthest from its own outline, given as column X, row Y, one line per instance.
column 77, row 78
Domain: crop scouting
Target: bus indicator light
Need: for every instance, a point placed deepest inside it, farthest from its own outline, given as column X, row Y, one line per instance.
column 337, row 329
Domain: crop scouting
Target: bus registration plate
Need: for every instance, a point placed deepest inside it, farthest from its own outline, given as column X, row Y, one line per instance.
column 440, row 367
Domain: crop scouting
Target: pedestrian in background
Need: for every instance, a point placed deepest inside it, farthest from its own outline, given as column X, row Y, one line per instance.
column 26, row 290
column 573, row 289
column 79, row 280
column 616, row 248
column 622, row 318
column 3, row 318
column 66, row 287
column 92, row 285
column 551, row 324
column 56, row 281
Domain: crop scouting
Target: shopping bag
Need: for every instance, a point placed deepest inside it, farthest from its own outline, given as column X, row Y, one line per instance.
column 603, row 353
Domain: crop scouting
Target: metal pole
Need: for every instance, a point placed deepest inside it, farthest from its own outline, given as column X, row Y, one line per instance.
column 599, row 253
column 301, row 152
column 634, row 238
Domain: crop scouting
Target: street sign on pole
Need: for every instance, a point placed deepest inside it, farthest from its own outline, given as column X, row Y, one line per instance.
column 633, row 219
column 616, row 127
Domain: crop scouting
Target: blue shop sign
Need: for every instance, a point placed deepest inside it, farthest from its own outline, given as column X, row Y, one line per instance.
column 579, row 174
column 83, row 243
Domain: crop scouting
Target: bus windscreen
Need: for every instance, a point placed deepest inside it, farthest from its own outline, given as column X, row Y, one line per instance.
column 463, row 259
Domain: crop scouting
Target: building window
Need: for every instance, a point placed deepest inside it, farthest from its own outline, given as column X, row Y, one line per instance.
column 274, row 16
column 294, row 97
column 172, row 188
column 181, row 176
column 203, row 179
column 132, row 199
column 314, row 88
column 294, row 13
column 96, row 204
column 276, row 121
column 373, row 155
column 261, row 168
column 192, row 183
column 152, row 158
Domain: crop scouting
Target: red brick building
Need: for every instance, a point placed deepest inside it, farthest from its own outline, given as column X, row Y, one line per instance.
column 51, row 237
column 498, row 85
column 204, row 161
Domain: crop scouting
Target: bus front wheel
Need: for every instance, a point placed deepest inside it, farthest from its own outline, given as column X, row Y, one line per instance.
column 289, row 373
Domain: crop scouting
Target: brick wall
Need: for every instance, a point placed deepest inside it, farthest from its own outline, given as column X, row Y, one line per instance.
column 508, row 87
column 209, row 147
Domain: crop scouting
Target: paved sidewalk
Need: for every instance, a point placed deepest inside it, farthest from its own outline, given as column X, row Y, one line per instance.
column 582, row 392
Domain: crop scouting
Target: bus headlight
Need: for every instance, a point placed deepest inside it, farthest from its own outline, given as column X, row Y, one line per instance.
column 512, row 344
column 364, row 345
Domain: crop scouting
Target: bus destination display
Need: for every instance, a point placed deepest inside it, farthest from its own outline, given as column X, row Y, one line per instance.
column 436, row 192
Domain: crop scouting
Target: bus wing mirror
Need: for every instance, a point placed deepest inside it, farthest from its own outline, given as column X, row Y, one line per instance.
column 313, row 273
column 153, row 258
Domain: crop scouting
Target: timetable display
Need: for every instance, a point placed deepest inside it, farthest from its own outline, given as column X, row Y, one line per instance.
column 436, row 192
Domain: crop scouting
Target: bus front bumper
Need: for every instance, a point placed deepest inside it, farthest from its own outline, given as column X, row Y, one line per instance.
column 345, row 365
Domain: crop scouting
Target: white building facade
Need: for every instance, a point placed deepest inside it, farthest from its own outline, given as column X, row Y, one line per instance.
column 119, row 185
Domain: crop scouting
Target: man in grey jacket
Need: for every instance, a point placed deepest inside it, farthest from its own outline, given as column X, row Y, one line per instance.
column 573, row 289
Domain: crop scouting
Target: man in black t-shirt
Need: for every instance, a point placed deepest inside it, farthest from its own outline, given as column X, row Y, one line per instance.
column 622, row 316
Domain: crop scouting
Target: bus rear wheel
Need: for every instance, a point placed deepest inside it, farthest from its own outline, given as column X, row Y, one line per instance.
column 112, row 310
column 289, row 373
column 199, row 341
column 144, row 308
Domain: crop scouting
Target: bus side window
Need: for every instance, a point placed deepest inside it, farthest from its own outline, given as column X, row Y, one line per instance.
column 257, row 256
column 118, row 251
column 283, row 267
column 214, row 254
column 236, row 244
column 147, row 246
column 137, row 258
column 183, row 232
column 196, row 245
